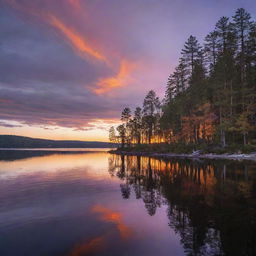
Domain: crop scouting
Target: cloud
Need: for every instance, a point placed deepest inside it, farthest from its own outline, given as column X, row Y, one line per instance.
column 77, row 41
column 75, row 3
column 71, row 63
column 44, row 83
column 121, row 79
column 99, row 125
column 71, row 107
column 9, row 125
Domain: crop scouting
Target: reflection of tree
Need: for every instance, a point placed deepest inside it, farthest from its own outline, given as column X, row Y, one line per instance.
column 121, row 173
column 125, row 189
column 150, row 202
column 210, row 205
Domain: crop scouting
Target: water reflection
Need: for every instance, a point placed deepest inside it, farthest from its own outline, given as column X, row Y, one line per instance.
column 100, row 243
column 95, row 245
column 109, row 215
column 100, row 204
column 19, row 153
column 211, row 204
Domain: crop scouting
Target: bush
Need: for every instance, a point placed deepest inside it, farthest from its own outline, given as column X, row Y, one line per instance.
column 249, row 149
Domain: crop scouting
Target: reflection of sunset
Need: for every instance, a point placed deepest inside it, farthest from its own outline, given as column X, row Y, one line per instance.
column 109, row 215
column 50, row 166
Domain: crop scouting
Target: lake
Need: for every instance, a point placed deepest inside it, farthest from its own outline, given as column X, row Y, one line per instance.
column 96, row 203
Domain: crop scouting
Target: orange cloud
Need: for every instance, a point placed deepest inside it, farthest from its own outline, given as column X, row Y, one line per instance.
column 120, row 80
column 75, row 3
column 79, row 44
column 115, row 217
column 75, row 39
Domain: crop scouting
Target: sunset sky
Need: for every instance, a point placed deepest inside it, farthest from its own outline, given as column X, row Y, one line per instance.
column 68, row 67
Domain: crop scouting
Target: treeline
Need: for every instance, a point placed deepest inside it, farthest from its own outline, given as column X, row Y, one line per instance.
column 210, row 97
column 13, row 141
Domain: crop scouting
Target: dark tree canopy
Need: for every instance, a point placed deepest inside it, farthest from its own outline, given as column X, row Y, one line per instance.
column 210, row 96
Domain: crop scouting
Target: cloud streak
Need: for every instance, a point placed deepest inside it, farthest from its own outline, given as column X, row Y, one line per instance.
column 75, row 3
column 80, row 45
column 8, row 125
column 121, row 79
column 77, row 41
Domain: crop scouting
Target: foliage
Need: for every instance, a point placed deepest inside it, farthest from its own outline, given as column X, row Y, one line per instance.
column 210, row 97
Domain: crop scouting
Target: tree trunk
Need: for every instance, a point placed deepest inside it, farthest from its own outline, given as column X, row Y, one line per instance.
column 244, row 138
column 231, row 99
column 223, row 138
column 139, row 140
column 222, row 132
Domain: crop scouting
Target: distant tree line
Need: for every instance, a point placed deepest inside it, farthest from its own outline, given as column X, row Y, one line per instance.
column 210, row 97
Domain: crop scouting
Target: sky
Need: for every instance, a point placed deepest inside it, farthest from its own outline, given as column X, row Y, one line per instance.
column 68, row 67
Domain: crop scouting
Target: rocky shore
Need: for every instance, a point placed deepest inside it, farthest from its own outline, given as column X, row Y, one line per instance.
column 194, row 155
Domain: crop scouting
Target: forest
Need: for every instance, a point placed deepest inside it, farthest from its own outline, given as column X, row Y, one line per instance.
column 210, row 97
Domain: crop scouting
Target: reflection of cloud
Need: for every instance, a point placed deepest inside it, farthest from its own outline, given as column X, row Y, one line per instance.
column 98, row 243
column 88, row 248
column 115, row 217
column 120, row 80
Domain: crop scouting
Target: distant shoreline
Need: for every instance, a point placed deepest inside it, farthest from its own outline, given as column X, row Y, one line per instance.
column 13, row 141
column 237, row 157
column 57, row 149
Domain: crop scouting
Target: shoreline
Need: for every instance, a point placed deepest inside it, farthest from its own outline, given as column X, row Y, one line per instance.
column 236, row 157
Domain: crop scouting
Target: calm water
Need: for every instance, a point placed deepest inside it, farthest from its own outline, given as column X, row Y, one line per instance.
column 94, row 203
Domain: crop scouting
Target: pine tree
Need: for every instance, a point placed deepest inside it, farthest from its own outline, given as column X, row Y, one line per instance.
column 112, row 134
column 210, row 95
column 250, row 100
column 177, row 82
column 242, row 24
column 121, row 132
column 125, row 118
column 190, row 53
column 126, row 115
column 151, row 106
column 137, row 124
column 210, row 48
column 224, row 75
